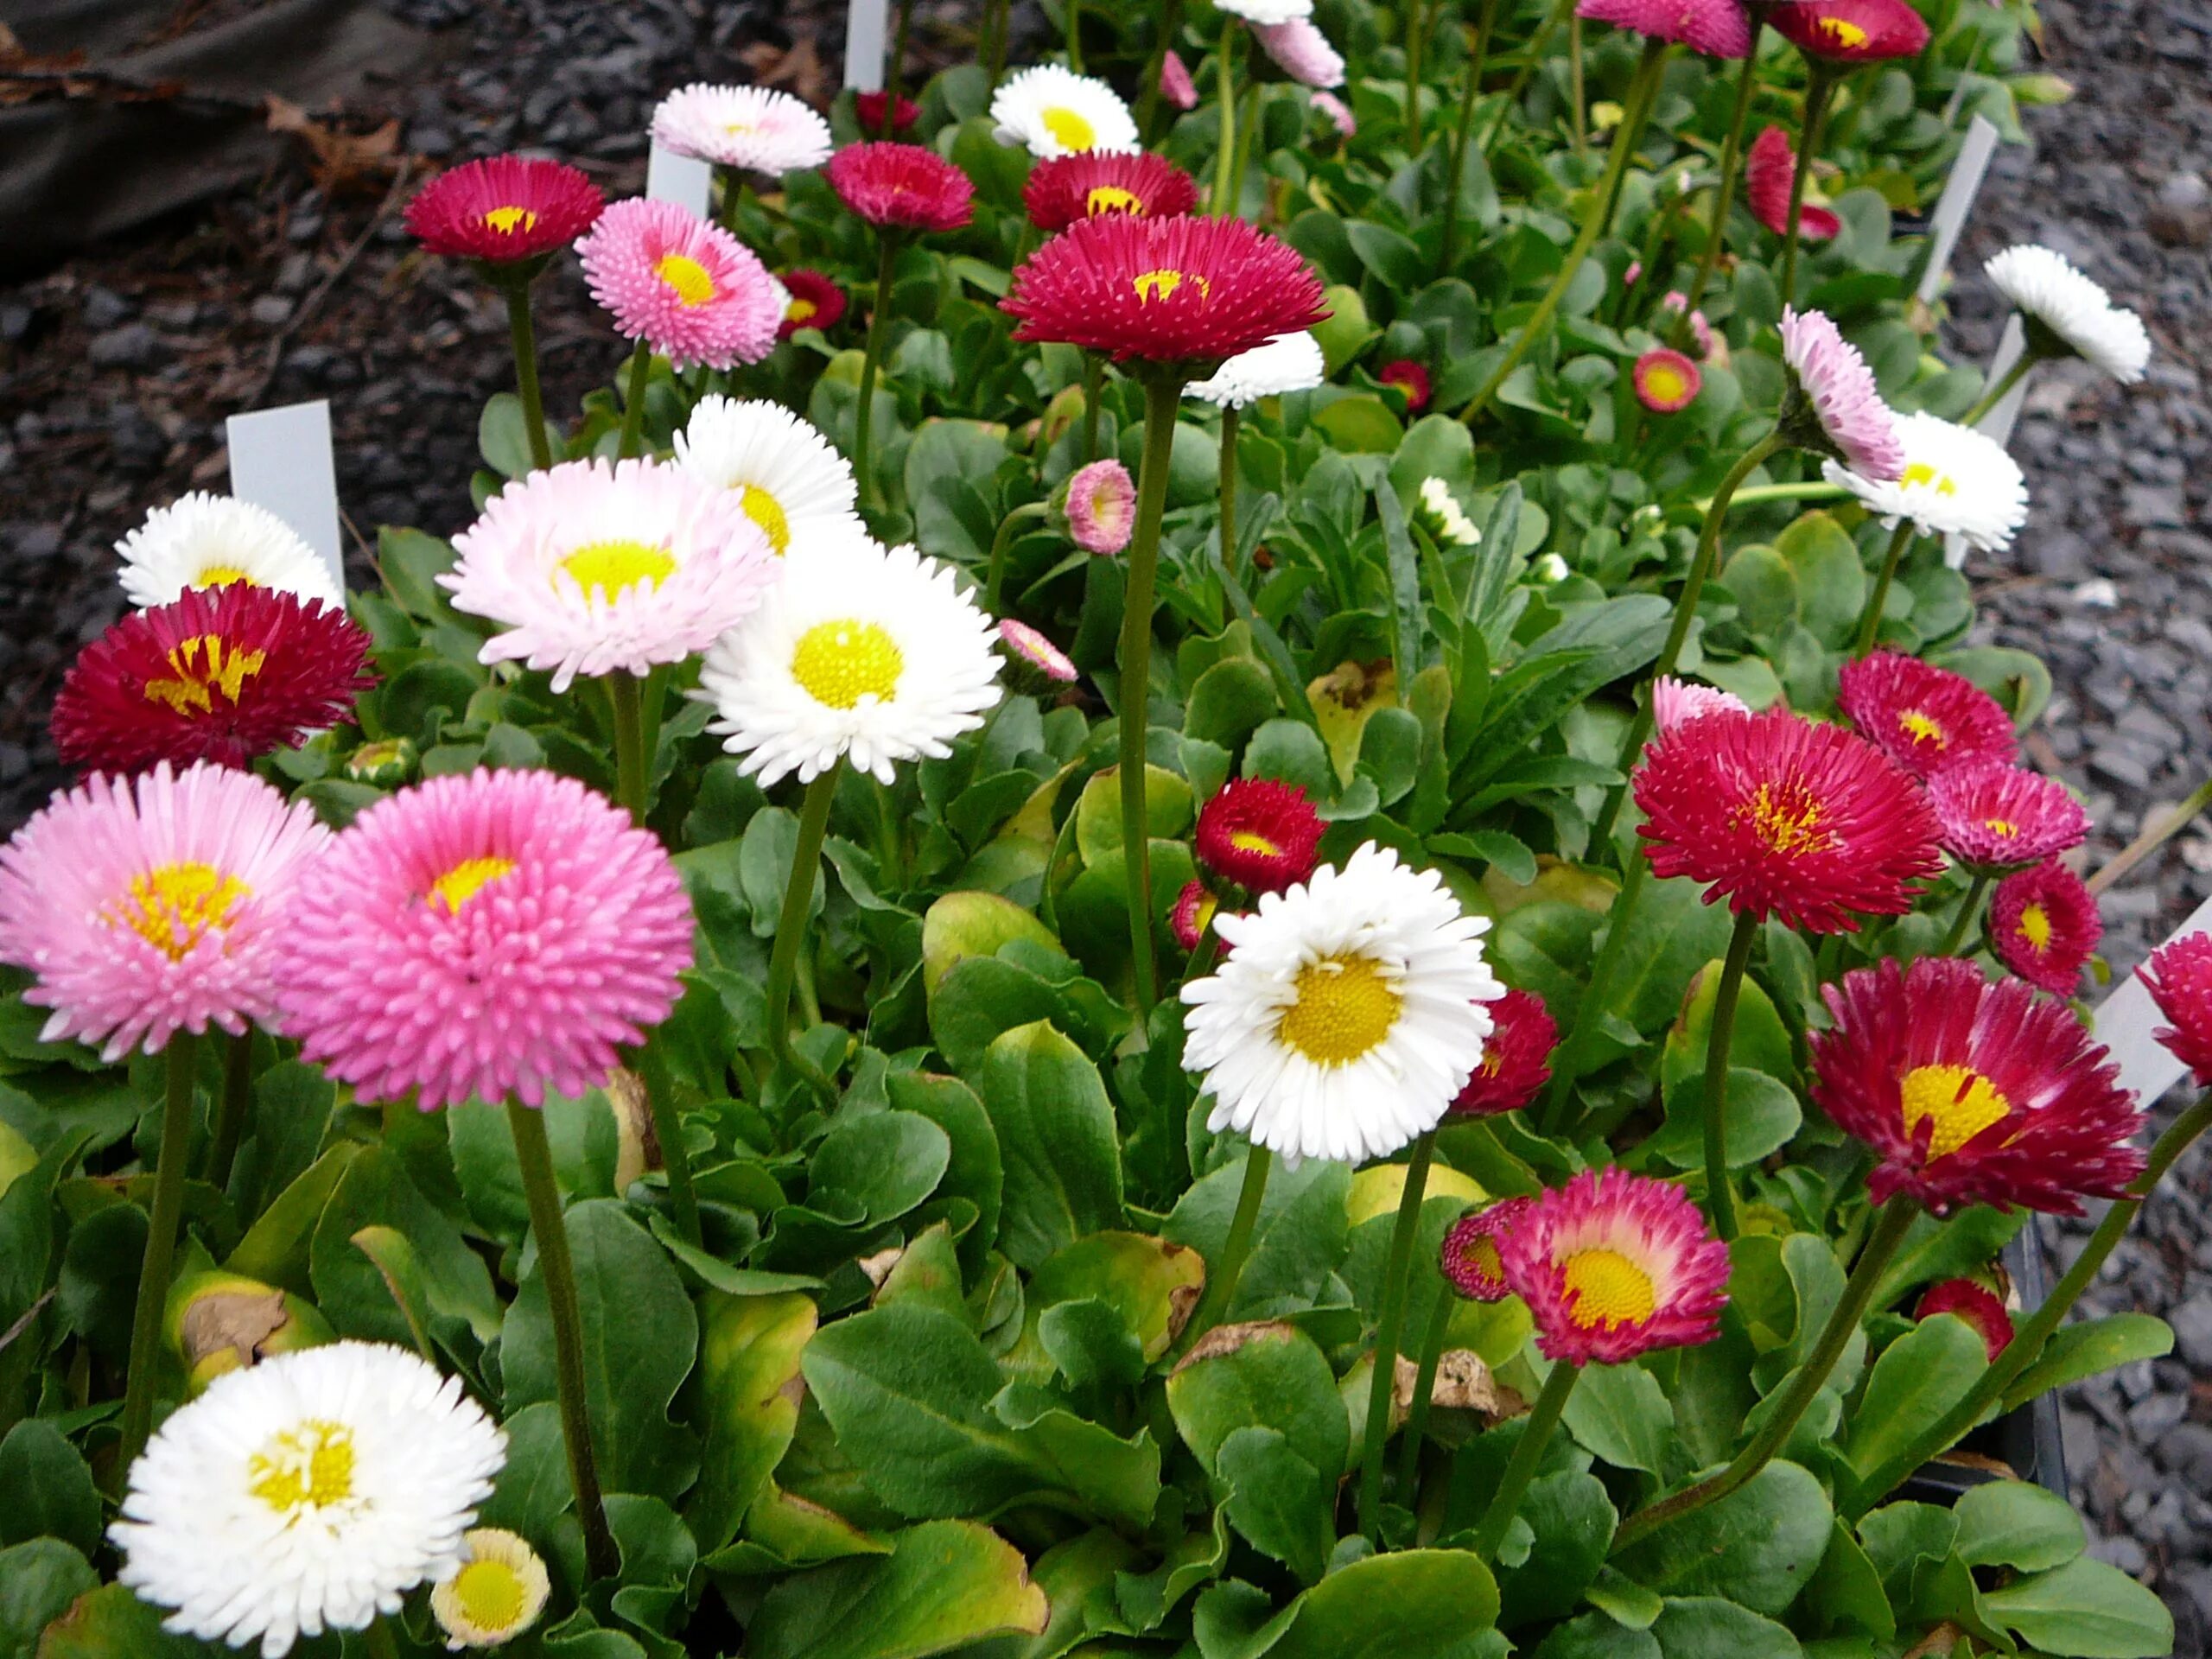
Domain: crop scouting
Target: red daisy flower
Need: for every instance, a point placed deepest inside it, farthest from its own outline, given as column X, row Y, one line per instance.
column 1997, row 817
column 869, row 108
column 222, row 674
column 1262, row 834
column 1768, row 171
column 1093, row 183
column 1972, row 1093
column 1409, row 377
column 1516, row 1058
column 1666, row 381
column 1785, row 818
column 1718, row 27
column 1977, row 1305
column 1925, row 718
column 1170, row 291
column 2044, row 925
column 1469, row 1258
column 1850, row 31
column 2179, row 978
column 503, row 210
column 902, row 186
column 1193, row 914
column 817, row 303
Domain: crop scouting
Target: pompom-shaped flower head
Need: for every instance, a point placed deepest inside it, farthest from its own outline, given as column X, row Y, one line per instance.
column 213, row 541
column 1717, row 28
column 1102, row 507
column 793, row 485
column 1676, row 702
column 1175, row 83
column 751, row 127
column 1032, row 657
column 1517, row 1061
column 1187, row 291
column 1409, row 377
column 860, row 653
column 222, row 674
column 148, row 906
column 512, row 211
column 495, row 1595
column 1259, row 833
column 2179, row 978
column 493, row 934
column 1053, row 111
column 1348, row 1014
column 595, row 569
column 1972, row 1093
column 1927, row 718
column 1956, row 482
column 1781, row 816
column 1289, row 362
column 309, row 1493
column 1769, row 171
column 687, row 288
column 1830, row 405
column 870, row 108
column 1979, row 1306
column 1469, row 1258
column 1850, row 31
column 2044, row 925
column 1614, row 1265
column 1302, row 51
column 815, row 302
column 1997, row 817
column 1666, row 381
column 2067, row 315
column 902, row 186
column 1089, row 186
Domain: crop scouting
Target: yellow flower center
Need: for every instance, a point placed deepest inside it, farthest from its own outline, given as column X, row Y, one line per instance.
column 763, row 510
column 173, row 907
column 839, row 663
column 1920, row 475
column 1605, row 1287
column 310, row 1465
column 507, row 220
column 1837, row 32
column 1480, row 1252
column 1788, row 819
column 1962, row 1101
column 800, row 311
column 741, row 126
column 1073, row 131
column 2003, row 828
column 1663, row 382
column 1345, row 1007
column 607, row 568
column 1244, row 841
column 469, row 878
column 1112, row 199
column 491, row 1595
column 1158, row 284
column 203, row 667
column 1924, row 728
column 2035, row 927
column 686, row 278
column 221, row 575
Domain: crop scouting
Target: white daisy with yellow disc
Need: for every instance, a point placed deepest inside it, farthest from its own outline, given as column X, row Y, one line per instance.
column 1289, row 362
column 211, row 541
column 2068, row 313
column 497, row 1594
column 861, row 652
column 789, row 481
column 1347, row 1013
column 1956, row 482
column 1053, row 111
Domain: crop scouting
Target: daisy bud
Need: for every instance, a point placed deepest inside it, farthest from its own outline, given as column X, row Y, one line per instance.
column 1977, row 1305
column 497, row 1594
column 1469, row 1259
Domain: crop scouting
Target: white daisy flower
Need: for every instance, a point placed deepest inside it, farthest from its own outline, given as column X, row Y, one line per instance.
column 1054, row 111
column 1266, row 13
column 793, row 484
column 1286, row 363
column 310, row 1492
column 1442, row 515
column 860, row 652
column 1347, row 1016
column 1956, row 482
column 2077, row 316
column 209, row 541
column 742, row 126
column 497, row 1594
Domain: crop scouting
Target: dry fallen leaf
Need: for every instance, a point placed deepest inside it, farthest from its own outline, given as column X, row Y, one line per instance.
column 341, row 162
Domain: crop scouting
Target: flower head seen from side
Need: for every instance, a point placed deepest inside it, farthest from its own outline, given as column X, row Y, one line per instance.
column 1970, row 1092
column 1779, row 816
column 1302, row 51
column 1347, row 1015
column 505, row 210
column 1997, row 817
column 1338, row 113
column 1262, row 834
column 1102, row 507
column 751, row 127
column 222, row 674
column 1409, row 377
column 1769, row 168
column 1976, row 1304
column 1184, row 290
column 1956, row 482
column 1927, row 718
column 1666, row 381
column 1442, row 515
column 1195, row 907
column 1288, row 363
column 1710, row 346
column 1028, row 649
column 1470, row 1260
column 1718, row 28
column 1175, row 83
column 213, row 541
column 2179, row 978
column 1067, row 188
column 1676, row 702
column 308, row 1493
column 493, row 934
column 687, row 288
column 870, row 108
column 1831, row 406
column 2067, row 315
column 901, row 187
column 495, row 1594
column 1850, row 31
column 1051, row 112
column 2044, row 925
column 1261, row 13
column 592, row 568
column 865, row 653
column 790, row 480
column 815, row 302
column 146, row 906
column 1614, row 1265
column 1517, row 1061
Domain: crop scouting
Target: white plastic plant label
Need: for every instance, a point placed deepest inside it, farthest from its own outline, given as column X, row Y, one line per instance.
column 865, row 35
column 684, row 180
column 2127, row 1017
column 281, row 460
column 1955, row 203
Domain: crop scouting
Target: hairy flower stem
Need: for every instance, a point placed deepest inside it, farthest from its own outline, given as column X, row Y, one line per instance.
column 1532, row 54
column 1870, row 620
column 154, row 1269
column 1229, row 486
column 1163, row 396
column 1456, row 166
column 524, row 338
column 1432, row 1356
column 1006, row 535
column 630, row 762
column 1388, row 1321
column 379, row 1640
column 1226, row 179
column 871, row 355
column 1171, row 26
column 1528, row 1453
column 1567, row 1063
column 231, row 1109
column 1724, row 198
column 1221, row 1280
column 894, row 76
column 633, row 402
column 2155, row 834
column 1995, row 395
column 1969, row 907
column 791, row 924
column 1094, row 388
column 1816, row 104
column 1720, row 1198
column 651, row 1068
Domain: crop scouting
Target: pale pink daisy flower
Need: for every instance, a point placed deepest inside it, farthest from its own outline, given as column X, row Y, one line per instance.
column 1717, row 28
column 1700, row 330
column 147, row 907
column 1175, row 83
column 486, row 934
column 1031, row 649
column 1676, row 702
column 753, row 127
column 1102, row 507
column 1337, row 111
column 601, row 568
column 1831, row 406
column 689, row 289
column 1302, row 51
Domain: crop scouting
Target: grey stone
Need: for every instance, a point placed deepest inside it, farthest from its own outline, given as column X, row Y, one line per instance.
column 105, row 308
column 133, row 345
column 2192, row 1323
column 270, row 310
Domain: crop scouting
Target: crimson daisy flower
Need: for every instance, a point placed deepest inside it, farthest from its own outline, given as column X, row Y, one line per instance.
column 1516, row 1058
column 221, row 674
column 1784, row 817
column 1169, row 290
column 1093, row 183
column 1193, row 913
column 1768, row 171
column 1997, row 817
column 1718, row 28
column 1850, row 31
column 1666, row 381
column 1977, row 1305
column 902, row 186
column 2044, row 925
column 1972, row 1093
column 1260, row 833
column 1469, row 1258
column 2179, row 978
column 869, row 107
column 815, row 302
column 1925, row 718
column 1409, row 377
column 503, row 210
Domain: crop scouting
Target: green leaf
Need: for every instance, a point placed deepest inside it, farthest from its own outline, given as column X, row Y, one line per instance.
column 111, row 1623
column 1389, row 256
column 1152, row 1284
column 749, row 1349
column 1098, row 811
column 1433, row 1602
column 1703, row 1627
column 1621, row 1413
column 46, row 1489
column 883, row 1164
column 2011, row 1523
column 944, row 1585
column 1572, row 1521
column 1846, row 1593
column 1757, row 1546
column 2078, row 1351
column 350, row 1288
column 974, row 1171
column 38, row 1581
column 1594, row 1636
column 1057, row 1139
column 1228, row 701
column 2084, row 1609
column 1298, row 1241
column 1271, row 1376
column 274, row 1250
column 1919, row 1376
column 1276, row 1499
column 1831, row 581
column 964, row 924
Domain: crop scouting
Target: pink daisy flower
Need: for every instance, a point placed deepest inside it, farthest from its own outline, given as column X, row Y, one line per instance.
column 1717, row 28
column 1700, row 330
column 1851, row 31
column 1977, row 1305
column 1666, row 381
column 1102, row 507
column 1030, row 649
column 147, row 907
column 487, row 934
column 1338, row 111
column 2179, row 978
column 1831, row 406
column 1997, row 817
column 1469, row 1259
column 2044, row 925
column 1768, row 172
column 1302, row 51
column 1925, row 718
column 689, row 289
column 1676, row 702
column 1615, row 1265
column 1517, row 1060
column 1175, row 83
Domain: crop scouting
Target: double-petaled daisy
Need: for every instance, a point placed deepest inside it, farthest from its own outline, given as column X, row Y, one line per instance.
column 1347, row 1015
column 1676, row 702
column 1302, row 51
column 1175, row 83
column 861, row 652
column 790, row 480
column 1717, row 28
column 495, row 1594
column 2179, row 978
column 1770, row 175
column 505, row 210
column 1850, row 31
column 1996, row 817
column 2067, row 315
column 1976, row 1304
column 1070, row 187
column 1957, row 482
column 751, row 127
column 901, row 187
column 2044, row 925
column 1102, row 507
column 1830, row 405
column 812, row 301
column 1666, row 381
column 1516, row 1062
column 1441, row 515
column 1053, row 111
column 1265, row 12
column 1034, row 657
column 309, row 1493
column 1290, row 362
column 687, row 288
column 210, row 541
column 1195, row 908
column 1469, row 1258
column 1927, row 718
column 1259, row 833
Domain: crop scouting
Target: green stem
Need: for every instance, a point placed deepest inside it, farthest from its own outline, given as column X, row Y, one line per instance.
column 1432, row 1356
column 231, row 1109
column 1171, row 26
column 1731, row 157
column 633, row 401
column 651, row 1067
column 1567, row 1059
column 1811, row 489
column 1870, row 620
column 1163, row 395
column 1221, row 1280
column 558, row 1271
column 379, row 1640
column 864, row 413
column 2155, row 835
column 1228, row 487
column 629, row 742
column 161, row 1254
column 1720, row 1198
column 1075, row 34
column 791, row 924
column 1577, row 132
column 1593, row 223
column 1094, row 388
column 895, row 71
column 1455, row 175
column 525, row 339
column 1416, row 41
column 1816, row 104
column 1995, row 395
column 997, row 23
column 1003, row 539
column 1388, row 1319
column 1224, row 174
column 1520, row 1468
column 1969, row 907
